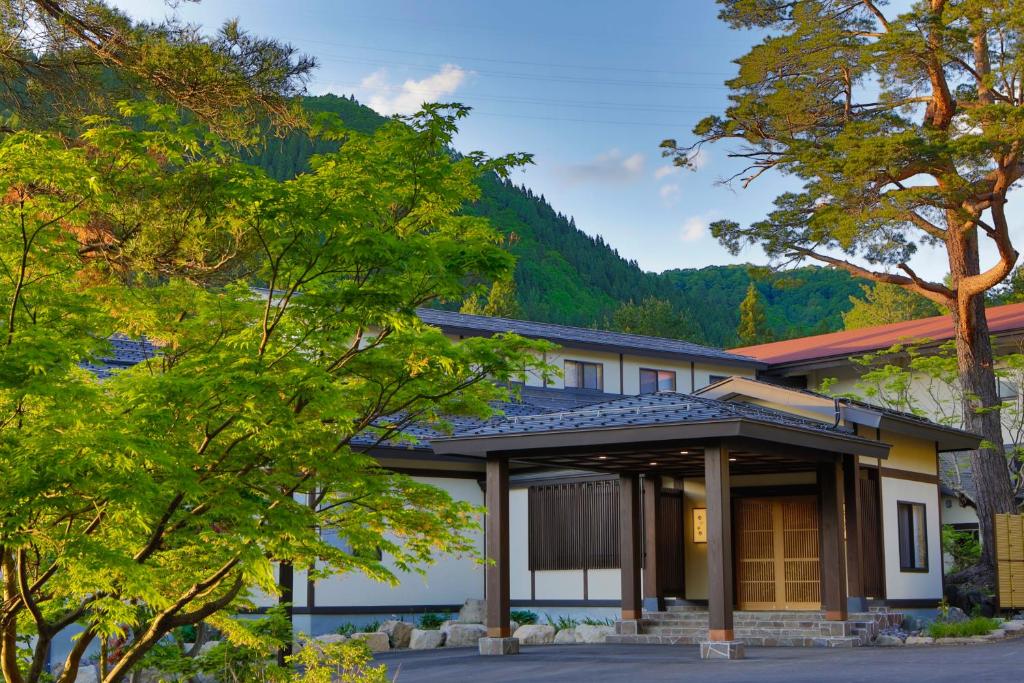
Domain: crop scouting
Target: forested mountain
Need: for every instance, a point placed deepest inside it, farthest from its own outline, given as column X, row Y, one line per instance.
column 566, row 276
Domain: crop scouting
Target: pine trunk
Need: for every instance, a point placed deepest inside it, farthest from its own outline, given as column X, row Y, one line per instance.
column 981, row 416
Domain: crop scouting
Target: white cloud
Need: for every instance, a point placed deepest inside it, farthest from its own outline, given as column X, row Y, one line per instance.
column 696, row 227
column 669, row 193
column 665, row 171
column 609, row 167
column 699, row 159
column 408, row 97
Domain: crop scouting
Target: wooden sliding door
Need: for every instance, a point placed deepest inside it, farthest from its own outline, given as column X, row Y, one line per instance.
column 777, row 557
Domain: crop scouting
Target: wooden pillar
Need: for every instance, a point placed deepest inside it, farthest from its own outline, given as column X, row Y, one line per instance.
column 720, row 588
column 857, row 600
column 496, row 530
column 629, row 545
column 833, row 564
column 654, row 594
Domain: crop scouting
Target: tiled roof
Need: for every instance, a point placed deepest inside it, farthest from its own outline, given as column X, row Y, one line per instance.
column 957, row 477
column 532, row 401
column 124, row 353
column 1001, row 320
column 581, row 336
column 647, row 409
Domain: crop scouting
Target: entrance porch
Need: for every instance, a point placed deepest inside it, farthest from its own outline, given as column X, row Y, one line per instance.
column 801, row 560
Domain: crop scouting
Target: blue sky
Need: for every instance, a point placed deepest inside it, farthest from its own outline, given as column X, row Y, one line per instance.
column 590, row 88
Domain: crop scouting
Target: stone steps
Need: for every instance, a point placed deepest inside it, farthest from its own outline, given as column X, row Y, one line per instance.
column 766, row 629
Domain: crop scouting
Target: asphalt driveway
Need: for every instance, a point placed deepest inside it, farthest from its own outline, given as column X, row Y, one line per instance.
column 1000, row 661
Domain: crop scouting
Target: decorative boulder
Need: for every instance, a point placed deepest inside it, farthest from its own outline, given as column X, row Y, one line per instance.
column 425, row 640
column 587, row 633
column 472, row 612
column 535, row 634
column 955, row 616
column 888, row 641
column 331, row 638
column 398, row 632
column 376, row 641
column 919, row 640
column 464, row 635
column 567, row 636
column 207, row 646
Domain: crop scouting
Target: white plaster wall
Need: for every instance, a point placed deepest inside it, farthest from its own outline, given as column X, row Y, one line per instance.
column 703, row 371
column 955, row 513
column 518, row 544
column 910, row 585
column 604, row 584
column 449, row 581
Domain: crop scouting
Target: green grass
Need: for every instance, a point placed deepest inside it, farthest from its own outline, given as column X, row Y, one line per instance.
column 594, row 621
column 562, row 622
column 975, row 626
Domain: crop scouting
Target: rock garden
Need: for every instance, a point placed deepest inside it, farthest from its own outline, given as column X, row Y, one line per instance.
column 951, row 626
column 432, row 631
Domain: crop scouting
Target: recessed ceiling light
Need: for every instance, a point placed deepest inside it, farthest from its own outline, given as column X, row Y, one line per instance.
column 732, row 459
column 652, row 463
column 602, row 457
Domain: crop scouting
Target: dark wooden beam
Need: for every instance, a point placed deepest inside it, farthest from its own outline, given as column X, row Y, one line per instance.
column 496, row 530
column 654, row 596
column 720, row 586
column 629, row 545
column 833, row 564
column 854, row 537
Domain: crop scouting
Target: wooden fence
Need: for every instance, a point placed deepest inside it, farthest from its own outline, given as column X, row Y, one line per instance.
column 1010, row 560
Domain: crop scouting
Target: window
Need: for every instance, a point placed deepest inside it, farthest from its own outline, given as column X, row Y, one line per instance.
column 1007, row 389
column 715, row 379
column 913, row 537
column 656, row 380
column 582, row 375
column 574, row 525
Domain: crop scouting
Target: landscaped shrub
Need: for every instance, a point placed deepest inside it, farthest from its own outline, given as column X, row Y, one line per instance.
column 561, row 623
column 523, row 616
column 431, row 622
column 976, row 626
column 963, row 546
column 348, row 628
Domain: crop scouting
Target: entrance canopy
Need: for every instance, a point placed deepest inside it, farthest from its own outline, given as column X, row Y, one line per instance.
column 662, row 433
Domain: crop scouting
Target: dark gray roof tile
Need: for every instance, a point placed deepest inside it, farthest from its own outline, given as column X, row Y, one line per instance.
column 564, row 334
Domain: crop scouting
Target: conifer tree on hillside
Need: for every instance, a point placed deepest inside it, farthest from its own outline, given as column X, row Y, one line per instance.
column 500, row 302
column 656, row 318
column 883, row 304
column 753, row 327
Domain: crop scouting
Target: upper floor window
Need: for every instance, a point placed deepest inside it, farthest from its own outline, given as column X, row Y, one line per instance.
column 656, row 380
column 913, row 532
column 715, row 379
column 583, row 375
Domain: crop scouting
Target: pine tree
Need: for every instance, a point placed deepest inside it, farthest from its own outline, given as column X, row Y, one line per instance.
column 884, row 304
column 753, row 328
column 902, row 124
column 501, row 301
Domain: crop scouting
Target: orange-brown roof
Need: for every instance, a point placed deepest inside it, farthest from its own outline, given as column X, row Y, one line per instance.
column 1001, row 320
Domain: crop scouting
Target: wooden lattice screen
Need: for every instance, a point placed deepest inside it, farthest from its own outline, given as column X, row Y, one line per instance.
column 1010, row 560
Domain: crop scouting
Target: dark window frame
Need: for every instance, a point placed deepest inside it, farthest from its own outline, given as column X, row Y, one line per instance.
column 581, row 374
column 907, row 564
column 657, row 379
